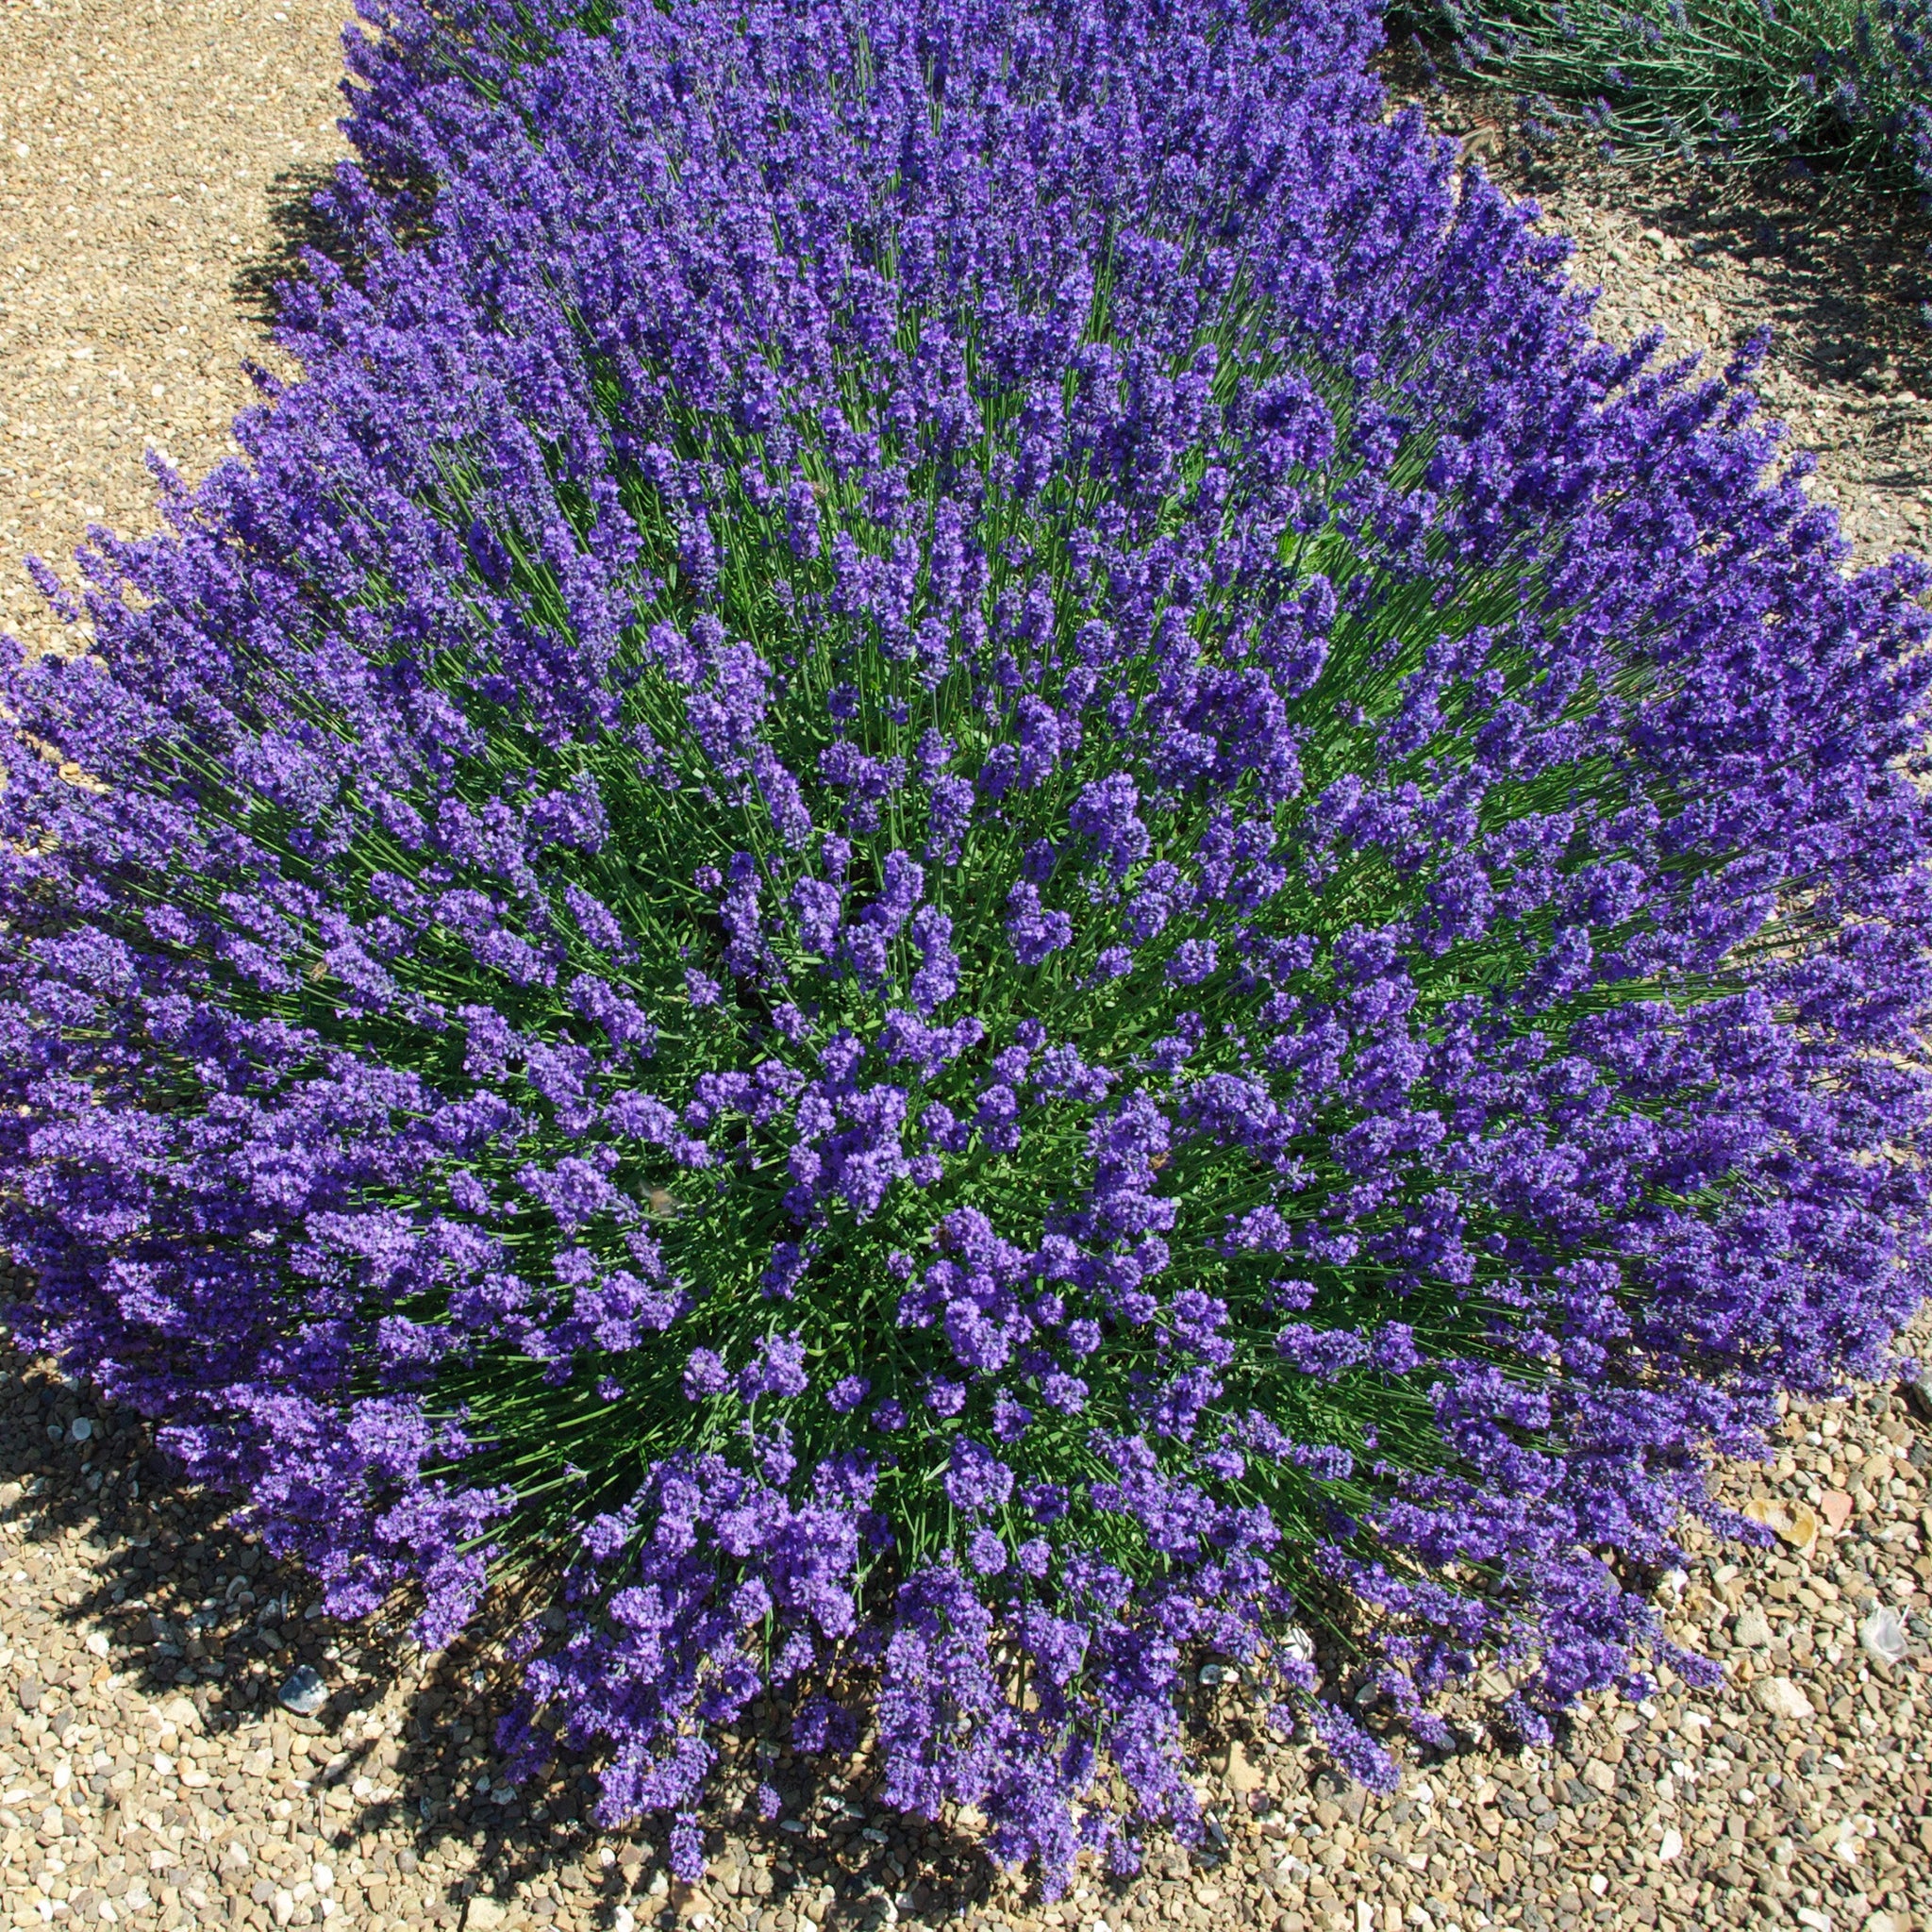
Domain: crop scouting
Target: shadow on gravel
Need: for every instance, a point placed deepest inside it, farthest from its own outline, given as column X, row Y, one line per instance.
column 395, row 1766
column 299, row 226
column 1843, row 275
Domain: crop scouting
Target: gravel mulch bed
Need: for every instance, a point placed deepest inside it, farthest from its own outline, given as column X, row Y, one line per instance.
column 156, row 157
column 149, row 1771
column 149, row 1774
column 1840, row 278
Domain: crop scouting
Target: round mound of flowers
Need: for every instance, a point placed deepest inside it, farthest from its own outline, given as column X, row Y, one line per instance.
column 963, row 875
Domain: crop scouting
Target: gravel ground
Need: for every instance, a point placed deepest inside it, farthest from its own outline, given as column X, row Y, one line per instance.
column 148, row 1772
column 155, row 156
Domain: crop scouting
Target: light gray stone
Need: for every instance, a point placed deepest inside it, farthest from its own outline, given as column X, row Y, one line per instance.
column 1779, row 1697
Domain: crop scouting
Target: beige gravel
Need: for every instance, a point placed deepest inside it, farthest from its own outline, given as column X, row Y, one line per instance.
column 146, row 151
column 147, row 1775
column 145, row 1768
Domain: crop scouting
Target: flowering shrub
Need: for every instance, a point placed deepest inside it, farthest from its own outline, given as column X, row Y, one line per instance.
column 1833, row 82
column 966, row 871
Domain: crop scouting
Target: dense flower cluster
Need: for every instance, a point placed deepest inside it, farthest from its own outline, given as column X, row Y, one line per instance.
column 968, row 870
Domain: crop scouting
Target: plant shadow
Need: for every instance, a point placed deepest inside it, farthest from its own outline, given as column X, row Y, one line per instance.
column 298, row 225
column 134, row 1603
column 1840, row 275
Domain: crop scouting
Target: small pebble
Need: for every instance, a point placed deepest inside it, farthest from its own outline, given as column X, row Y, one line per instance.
column 1781, row 1698
column 302, row 1692
column 1918, row 1391
column 1242, row 1778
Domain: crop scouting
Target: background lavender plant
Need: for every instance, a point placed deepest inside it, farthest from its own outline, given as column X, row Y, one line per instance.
column 966, row 873
column 1830, row 83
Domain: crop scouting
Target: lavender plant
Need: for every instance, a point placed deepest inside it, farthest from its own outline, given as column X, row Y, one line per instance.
column 1806, row 82
column 965, row 873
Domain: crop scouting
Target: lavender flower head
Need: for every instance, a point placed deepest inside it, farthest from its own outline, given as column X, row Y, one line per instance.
column 968, row 801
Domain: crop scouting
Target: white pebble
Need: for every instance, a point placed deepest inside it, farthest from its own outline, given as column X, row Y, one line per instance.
column 1297, row 1643
column 1780, row 1697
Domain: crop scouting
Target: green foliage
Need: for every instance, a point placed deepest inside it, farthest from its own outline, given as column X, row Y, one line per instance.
column 1812, row 82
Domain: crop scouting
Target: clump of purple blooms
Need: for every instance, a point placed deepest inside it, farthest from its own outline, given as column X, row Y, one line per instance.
column 968, row 871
